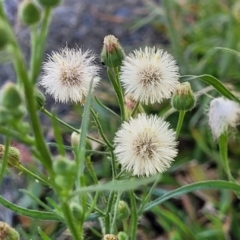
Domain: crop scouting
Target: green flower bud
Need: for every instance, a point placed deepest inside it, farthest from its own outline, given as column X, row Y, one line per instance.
column 65, row 182
column 40, row 98
column 29, row 12
column 10, row 96
column 7, row 232
column 76, row 210
column 14, row 156
column 112, row 53
column 183, row 99
column 49, row 3
column 63, row 166
column 110, row 237
column 122, row 236
column 18, row 113
column 4, row 35
column 5, row 116
column 123, row 211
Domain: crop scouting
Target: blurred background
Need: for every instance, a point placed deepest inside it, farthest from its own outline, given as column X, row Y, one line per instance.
column 191, row 31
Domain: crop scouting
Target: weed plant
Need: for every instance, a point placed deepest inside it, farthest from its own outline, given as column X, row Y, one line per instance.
column 167, row 153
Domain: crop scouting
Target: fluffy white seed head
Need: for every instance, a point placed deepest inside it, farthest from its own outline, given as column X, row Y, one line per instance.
column 150, row 75
column 67, row 74
column 145, row 145
column 223, row 113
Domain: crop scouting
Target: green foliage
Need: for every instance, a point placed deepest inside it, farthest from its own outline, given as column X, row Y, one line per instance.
column 194, row 199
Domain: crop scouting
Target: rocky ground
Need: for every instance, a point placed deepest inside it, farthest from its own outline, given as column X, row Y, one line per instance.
column 85, row 23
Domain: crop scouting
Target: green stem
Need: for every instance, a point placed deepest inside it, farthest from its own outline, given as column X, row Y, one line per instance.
column 114, row 220
column 105, row 107
column 134, row 216
column 135, row 109
column 46, row 112
column 50, row 115
column 116, row 72
column 223, row 148
column 5, row 158
column 23, row 79
column 180, row 122
column 83, row 199
column 24, row 170
column 22, row 76
column 77, row 233
column 24, row 139
column 34, row 56
column 118, row 90
column 125, row 225
column 94, row 176
column 38, row 45
column 100, row 129
column 146, row 199
column 114, row 172
column 108, row 214
column 91, row 170
column 31, row 107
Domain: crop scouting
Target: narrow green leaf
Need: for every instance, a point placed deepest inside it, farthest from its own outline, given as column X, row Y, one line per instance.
column 228, row 50
column 218, row 184
column 58, row 136
column 36, row 199
column 42, row 234
column 99, row 126
column 30, row 213
column 216, row 84
column 23, row 139
column 80, row 154
column 123, row 185
column 4, row 160
column 105, row 107
column 181, row 227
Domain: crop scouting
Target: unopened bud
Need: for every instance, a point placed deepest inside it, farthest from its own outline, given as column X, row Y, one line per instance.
column 5, row 116
column 7, row 232
column 64, row 182
column 110, row 237
column 183, row 99
column 4, row 35
column 64, row 166
column 29, row 12
column 49, row 3
column 77, row 210
column 13, row 158
column 130, row 103
column 18, row 113
column 75, row 139
column 10, row 96
column 112, row 53
column 122, row 236
column 123, row 210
